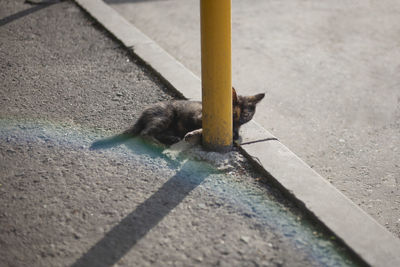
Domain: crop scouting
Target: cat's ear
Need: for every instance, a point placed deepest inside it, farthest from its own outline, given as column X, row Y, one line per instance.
column 257, row 98
column 234, row 96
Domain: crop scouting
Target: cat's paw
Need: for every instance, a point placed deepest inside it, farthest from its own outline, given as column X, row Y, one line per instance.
column 194, row 137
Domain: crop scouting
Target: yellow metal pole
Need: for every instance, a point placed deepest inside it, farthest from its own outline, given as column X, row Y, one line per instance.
column 216, row 74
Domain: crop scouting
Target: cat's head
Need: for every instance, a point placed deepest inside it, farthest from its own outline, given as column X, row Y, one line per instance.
column 244, row 107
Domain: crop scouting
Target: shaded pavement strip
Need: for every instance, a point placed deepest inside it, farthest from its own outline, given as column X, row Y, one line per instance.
column 37, row 6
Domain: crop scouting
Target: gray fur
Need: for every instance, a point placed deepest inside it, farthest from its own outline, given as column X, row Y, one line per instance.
column 170, row 121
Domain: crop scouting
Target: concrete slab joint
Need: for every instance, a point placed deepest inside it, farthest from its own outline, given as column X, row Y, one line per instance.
column 368, row 239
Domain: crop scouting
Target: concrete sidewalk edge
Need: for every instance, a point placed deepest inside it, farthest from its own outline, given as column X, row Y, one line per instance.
column 358, row 230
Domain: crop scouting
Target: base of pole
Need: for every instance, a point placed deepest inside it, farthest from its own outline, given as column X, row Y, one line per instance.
column 217, row 148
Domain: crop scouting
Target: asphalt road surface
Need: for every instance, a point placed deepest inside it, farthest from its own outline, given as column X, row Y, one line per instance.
column 65, row 83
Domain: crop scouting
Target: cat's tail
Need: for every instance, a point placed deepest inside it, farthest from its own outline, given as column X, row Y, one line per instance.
column 134, row 130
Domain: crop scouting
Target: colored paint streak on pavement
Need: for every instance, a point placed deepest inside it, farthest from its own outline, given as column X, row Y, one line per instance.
column 231, row 188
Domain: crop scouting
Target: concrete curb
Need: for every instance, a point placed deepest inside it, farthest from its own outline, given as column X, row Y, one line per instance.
column 170, row 70
column 367, row 238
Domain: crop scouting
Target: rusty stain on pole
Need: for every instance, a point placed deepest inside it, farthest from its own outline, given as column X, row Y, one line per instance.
column 216, row 74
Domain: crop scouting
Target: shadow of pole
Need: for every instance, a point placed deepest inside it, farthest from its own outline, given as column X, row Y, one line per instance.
column 38, row 6
column 123, row 237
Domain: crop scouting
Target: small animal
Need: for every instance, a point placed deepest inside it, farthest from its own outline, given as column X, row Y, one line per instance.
column 169, row 122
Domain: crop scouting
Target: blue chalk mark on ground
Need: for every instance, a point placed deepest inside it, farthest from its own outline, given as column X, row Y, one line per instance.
column 250, row 199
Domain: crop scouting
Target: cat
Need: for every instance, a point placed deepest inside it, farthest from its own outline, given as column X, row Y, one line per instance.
column 169, row 122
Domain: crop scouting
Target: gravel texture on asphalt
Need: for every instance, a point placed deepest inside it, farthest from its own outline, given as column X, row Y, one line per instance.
column 66, row 83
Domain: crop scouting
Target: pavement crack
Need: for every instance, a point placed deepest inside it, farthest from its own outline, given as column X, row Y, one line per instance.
column 260, row 140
